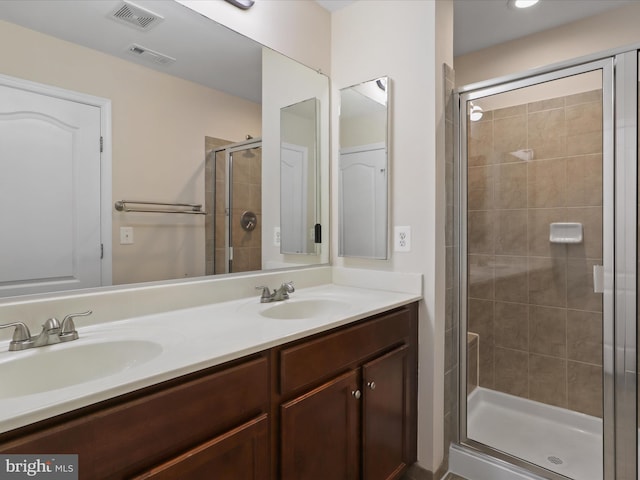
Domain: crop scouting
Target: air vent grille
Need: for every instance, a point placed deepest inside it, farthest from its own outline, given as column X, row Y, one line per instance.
column 135, row 16
column 150, row 55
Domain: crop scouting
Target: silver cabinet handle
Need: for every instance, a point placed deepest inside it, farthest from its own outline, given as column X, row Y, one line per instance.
column 357, row 394
column 371, row 385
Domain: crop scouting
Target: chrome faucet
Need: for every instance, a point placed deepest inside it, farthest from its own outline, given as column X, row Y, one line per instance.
column 279, row 294
column 52, row 332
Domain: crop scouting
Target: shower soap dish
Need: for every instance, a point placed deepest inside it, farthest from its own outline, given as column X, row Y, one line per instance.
column 565, row 232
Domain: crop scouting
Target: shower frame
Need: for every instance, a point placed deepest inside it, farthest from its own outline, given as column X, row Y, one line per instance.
column 620, row 201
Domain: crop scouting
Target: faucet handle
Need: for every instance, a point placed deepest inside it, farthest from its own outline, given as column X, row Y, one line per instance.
column 21, row 336
column 68, row 330
column 288, row 287
column 266, row 294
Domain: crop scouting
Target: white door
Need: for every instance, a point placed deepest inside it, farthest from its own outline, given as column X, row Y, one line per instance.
column 49, row 193
column 293, row 198
column 363, row 202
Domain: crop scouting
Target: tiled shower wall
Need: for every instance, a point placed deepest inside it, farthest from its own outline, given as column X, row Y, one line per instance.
column 530, row 301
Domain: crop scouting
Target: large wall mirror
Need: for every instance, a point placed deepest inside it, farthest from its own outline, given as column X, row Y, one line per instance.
column 195, row 116
column 364, row 170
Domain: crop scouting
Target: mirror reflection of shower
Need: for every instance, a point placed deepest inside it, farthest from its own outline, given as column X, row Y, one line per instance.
column 236, row 194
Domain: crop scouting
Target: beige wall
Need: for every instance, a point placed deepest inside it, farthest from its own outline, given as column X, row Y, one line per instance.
column 398, row 39
column 611, row 29
column 159, row 124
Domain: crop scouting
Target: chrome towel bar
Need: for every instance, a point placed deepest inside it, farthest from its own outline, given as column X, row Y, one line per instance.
column 189, row 208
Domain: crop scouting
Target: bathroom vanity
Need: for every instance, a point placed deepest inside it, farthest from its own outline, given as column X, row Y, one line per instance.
column 337, row 402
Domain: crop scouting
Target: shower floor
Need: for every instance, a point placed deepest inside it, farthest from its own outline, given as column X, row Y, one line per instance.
column 560, row 440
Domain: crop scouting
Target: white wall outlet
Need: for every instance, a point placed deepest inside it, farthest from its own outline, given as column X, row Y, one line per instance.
column 126, row 235
column 402, row 239
column 276, row 236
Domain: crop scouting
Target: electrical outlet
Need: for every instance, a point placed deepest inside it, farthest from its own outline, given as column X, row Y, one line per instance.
column 276, row 236
column 402, row 239
column 126, row 235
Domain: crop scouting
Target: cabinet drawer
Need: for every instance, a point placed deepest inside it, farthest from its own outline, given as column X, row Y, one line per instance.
column 242, row 453
column 127, row 438
column 318, row 359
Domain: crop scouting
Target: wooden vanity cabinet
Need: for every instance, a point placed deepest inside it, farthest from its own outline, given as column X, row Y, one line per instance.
column 339, row 405
column 347, row 405
column 195, row 424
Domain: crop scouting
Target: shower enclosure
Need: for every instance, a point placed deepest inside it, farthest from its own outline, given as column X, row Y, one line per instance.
column 236, row 226
column 547, row 220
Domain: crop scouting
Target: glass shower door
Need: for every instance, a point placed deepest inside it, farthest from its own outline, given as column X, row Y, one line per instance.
column 536, row 200
column 237, row 224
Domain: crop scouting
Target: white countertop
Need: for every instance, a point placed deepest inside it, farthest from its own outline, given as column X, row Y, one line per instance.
column 183, row 341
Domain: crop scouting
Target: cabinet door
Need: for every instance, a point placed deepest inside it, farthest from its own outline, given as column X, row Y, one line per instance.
column 242, row 453
column 320, row 436
column 386, row 415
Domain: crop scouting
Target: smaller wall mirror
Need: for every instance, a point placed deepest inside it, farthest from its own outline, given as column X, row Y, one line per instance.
column 364, row 170
column 299, row 177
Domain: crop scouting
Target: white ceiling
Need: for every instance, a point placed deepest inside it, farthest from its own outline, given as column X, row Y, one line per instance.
column 205, row 52
column 483, row 23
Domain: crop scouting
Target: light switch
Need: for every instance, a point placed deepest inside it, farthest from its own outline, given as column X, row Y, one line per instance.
column 126, row 235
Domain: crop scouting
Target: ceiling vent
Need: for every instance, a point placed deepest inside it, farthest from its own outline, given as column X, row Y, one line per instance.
column 150, row 55
column 135, row 16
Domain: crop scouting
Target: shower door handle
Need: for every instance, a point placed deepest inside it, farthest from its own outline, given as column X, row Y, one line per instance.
column 598, row 279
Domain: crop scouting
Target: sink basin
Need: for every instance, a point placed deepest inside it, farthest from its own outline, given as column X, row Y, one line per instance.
column 301, row 309
column 63, row 365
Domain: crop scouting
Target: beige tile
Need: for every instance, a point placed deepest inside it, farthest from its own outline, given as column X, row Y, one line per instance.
column 547, row 183
column 448, row 179
column 548, row 104
column 584, row 97
column 448, row 354
column 480, row 143
column 511, row 367
column 548, row 380
column 584, row 180
column 585, row 388
column 511, row 279
column 510, row 135
column 584, row 128
column 591, row 220
column 584, row 143
column 539, row 221
column 517, row 110
column 580, row 294
column 511, row 326
column 509, row 186
column 511, row 232
column 548, row 331
column 584, row 118
column 547, row 134
column 548, row 281
column 584, row 336
column 220, row 190
column 481, row 276
column 480, row 319
column 480, row 188
column 480, row 231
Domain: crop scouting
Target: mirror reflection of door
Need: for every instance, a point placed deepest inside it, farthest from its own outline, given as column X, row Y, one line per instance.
column 298, row 176
column 363, row 170
column 48, row 243
column 233, row 245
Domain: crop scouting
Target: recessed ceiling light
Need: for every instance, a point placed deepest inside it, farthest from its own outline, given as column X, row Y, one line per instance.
column 522, row 3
